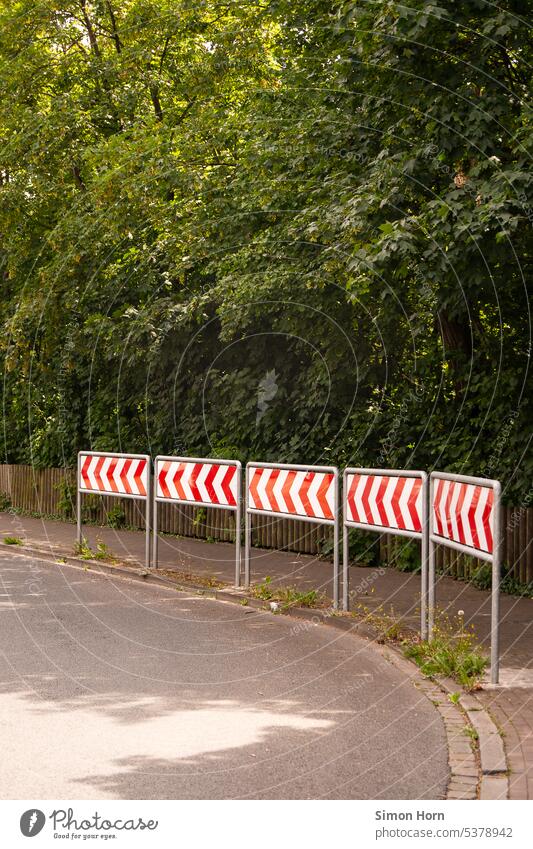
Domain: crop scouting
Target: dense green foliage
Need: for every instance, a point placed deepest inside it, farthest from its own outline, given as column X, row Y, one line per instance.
column 285, row 230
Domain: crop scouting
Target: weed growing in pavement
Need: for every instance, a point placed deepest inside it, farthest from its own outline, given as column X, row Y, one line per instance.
column 207, row 581
column 13, row 541
column 102, row 552
column 287, row 596
column 453, row 652
column 471, row 732
column 390, row 628
column 264, row 590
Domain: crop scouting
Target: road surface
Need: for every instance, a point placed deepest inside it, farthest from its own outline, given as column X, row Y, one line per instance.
column 113, row 689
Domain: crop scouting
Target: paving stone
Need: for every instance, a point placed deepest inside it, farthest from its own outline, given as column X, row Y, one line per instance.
column 466, row 770
column 465, row 795
column 518, row 788
column 493, row 787
column 491, row 751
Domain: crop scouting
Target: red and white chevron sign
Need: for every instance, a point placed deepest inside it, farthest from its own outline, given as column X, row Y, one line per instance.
column 202, row 481
column 293, row 492
column 114, row 474
column 464, row 513
column 389, row 501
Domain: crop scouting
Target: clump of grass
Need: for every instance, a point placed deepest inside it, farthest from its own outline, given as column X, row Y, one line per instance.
column 264, row 590
column 102, row 552
column 287, row 596
column 207, row 581
column 471, row 732
column 13, row 541
column 453, row 652
column 389, row 626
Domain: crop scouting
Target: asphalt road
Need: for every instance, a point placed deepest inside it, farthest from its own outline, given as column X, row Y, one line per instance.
column 116, row 689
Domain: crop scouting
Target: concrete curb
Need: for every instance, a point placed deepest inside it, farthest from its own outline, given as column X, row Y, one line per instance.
column 494, row 766
column 482, row 766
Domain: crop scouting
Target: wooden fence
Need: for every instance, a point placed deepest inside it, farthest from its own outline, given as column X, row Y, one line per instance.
column 52, row 492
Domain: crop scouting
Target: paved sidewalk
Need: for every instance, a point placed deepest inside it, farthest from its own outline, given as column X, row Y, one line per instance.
column 511, row 705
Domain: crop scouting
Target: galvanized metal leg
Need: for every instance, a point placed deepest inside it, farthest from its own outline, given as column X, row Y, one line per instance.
column 238, row 531
column 155, row 538
column 247, row 545
column 78, row 516
column 495, row 624
column 147, row 540
column 424, row 587
column 345, row 569
column 424, row 557
column 431, row 579
column 495, row 599
column 336, row 565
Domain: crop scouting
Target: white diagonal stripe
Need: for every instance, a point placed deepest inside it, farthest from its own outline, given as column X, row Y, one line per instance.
column 264, row 502
column 376, row 518
column 116, row 475
column 441, row 507
column 169, row 480
column 217, row 484
column 278, row 486
column 358, row 499
column 90, row 472
column 295, row 492
column 404, row 503
column 316, row 480
column 387, row 501
column 469, row 494
column 349, row 510
column 453, row 511
column 200, row 482
column 186, row 481
column 483, row 496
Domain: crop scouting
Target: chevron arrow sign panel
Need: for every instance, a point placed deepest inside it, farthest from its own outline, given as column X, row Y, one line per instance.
column 464, row 513
column 387, row 501
column 198, row 481
column 293, row 492
column 114, row 474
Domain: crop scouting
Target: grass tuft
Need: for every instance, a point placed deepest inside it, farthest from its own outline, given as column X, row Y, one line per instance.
column 287, row 596
column 13, row 541
column 453, row 652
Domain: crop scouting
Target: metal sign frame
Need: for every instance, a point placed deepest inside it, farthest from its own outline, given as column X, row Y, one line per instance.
column 493, row 557
column 250, row 511
column 421, row 535
column 83, row 491
column 237, row 509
